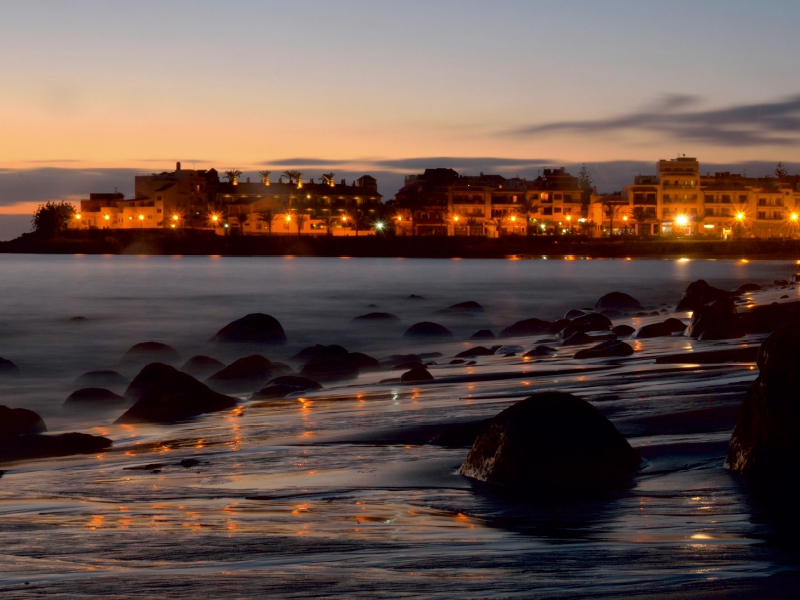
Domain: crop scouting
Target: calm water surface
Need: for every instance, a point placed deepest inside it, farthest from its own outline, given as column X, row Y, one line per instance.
column 337, row 494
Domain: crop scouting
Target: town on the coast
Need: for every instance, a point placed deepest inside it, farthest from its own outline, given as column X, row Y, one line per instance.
column 676, row 201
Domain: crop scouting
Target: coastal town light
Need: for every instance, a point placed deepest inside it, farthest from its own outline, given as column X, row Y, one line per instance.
column 794, row 217
column 141, row 217
column 175, row 217
column 740, row 216
column 106, row 217
column 682, row 220
column 78, row 216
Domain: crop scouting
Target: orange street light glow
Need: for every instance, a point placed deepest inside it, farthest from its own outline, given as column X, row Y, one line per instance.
column 78, row 216
column 793, row 217
column 288, row 218
column 141, row 217
column 740, row 216
column 682, row 220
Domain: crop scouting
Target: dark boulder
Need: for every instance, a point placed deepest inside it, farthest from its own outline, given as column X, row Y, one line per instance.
column 148, row 352
column 551, row 443
column 414, row 297
column 202, row 366
column 457, row 361
column 503, row 350
column 483, row 334
column 246, row 374
column 748, row 287
column 577, row 339
column 8, row 368
column 175, row 396
column 575, row 313
column 476, row 351
column 767, row 318
column 101, row 378
column 364, row 361
column 78, row 319
column 720, row 315
column 622, row 330
column 610, row 348
column 714, row 334
column 539, row 351
column 780, row 282
column 19, row 421
column 256, row 328
column 617, row 301
column 462, row 307
column 698, row 294
column 307, row 353
column 675, row 325
column 418, row 373
column 377, row 316
column 588, row 322
column 400, row 359
column 526, row 327
column 21, row 437
column 426, row 329
column 611, row 313
column 654, row 330
column 95, row 398
column 335, row 363
column 280, row 387
column 766, row 440
column 147, row 378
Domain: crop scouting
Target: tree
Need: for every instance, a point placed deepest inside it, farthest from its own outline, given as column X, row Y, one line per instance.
column 265, row 176
column 238, row 219
column 497, row 223
column 233, row 175
column 327, row 178
column 358, row 221
column 267, row 215
column 470, row 223
column 293, row 176
column 329, row 222
column 586, row 183
column 525, row 209
column 51, row 218
column 611, row 209
column 780, row 171
column 638, row 216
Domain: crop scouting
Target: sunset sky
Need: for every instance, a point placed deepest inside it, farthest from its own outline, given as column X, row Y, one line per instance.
column 95, row 91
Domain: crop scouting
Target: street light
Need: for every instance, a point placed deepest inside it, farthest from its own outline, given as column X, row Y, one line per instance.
column 794, row 217
column 740, row 216
column 682, row 220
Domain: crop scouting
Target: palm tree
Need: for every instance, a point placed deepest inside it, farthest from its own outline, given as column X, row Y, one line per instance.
column 526, row 206
column 238, row 220
column 233, row 175
column 470, row 223
column 294, row 176
column 327, row 178
column 329, row 222
column 267, row 215
column 299, row 219
column 497, row 223
column 611, row 209
column 265, row 176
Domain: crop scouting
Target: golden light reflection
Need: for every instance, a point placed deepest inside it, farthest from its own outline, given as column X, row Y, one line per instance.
column 96, row 522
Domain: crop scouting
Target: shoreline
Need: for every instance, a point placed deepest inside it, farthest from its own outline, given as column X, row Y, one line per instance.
column 197, row 242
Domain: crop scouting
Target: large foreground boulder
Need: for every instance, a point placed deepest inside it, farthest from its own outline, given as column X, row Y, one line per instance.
column 255, row 328
column 698, row 294
column 202, row 366
column 766, row 440
column 175, row 396
column 21, row 437
column 147, row 378
column 417, row 373
column 551, row 443
column 617, row 301
column 7, row 367
column 719, row 316
column 426, row 329
column 482, row 334
column 654, row 330
column 148, row 352
column 610, row 348
column 94, row 397
column 246, row 375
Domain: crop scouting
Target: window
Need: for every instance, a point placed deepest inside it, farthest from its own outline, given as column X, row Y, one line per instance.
column 762, row 214
column 567, row 197
column 557, row 196
column 726, row 197
column 726, row 212
column 557, row 209
column 743, row 198
column 708, row 198
column 158, row 210
column 547, row 210
column 158, row 197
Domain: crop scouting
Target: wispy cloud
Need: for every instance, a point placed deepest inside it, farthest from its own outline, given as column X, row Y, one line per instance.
column 414, row 164
column 775, row 123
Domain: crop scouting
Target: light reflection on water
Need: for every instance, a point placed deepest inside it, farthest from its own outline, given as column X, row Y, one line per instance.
column 310, row 486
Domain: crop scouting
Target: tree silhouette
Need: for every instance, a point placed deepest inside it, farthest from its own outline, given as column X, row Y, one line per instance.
column 267, row 215
column 780, row 171
column 586, row 183
column 525, row 209
column 327, row 178
column 233, row 175
column 611, row 210
column 498, row 222
column 52, row 217
column 265, row 176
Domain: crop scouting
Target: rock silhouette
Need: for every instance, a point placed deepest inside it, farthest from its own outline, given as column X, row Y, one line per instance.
column 609, row 348
column 174, row 396
column 476, row 351
column 101, row 378
column 766, row 440
column 280, row 387
column 539, row 351
column 146, row 378
column 463, row 307
column 148, row 352
column 377, row 316
column 576, row 339
column 19, row 421
column 95, row 398
column 482, row 334
column 698, row 294
column 202, row 366
column 7, row 367
column 528, row 327
column 335, row 363
column 675, row 325
column 721, row 315
column 551, row 443
column 426, row 329
column 245, row 374
column 417, row 373
column 617, row 301
column 256, row 328
column 654, row 330
column 622, row 330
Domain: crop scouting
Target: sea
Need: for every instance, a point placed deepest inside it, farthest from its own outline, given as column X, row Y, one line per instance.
column 339, row 493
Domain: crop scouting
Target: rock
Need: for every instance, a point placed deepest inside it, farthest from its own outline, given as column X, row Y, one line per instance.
column 654, row 330
column 21, row 437
column 576, row 339
column 539, row 351
column 78, row 319
column 456, row 361
column 526, row 327
column 748, row 287
column 423, row 355
column 335, row 363
column 622, row 330
column 720, row 315
column 418, row 373
column 399, row 359
column 256, row 328
column 767, row 318
column 698, row 294
column 365, row 362
column 476, row 351
column 307, row 353
column 414, row 297
column 147, row 378
column 588, row 322
column 202, row 366
column 617, row 301
column 188, row 463
column 780, row 282
column 8, row 368
column 174, row 396
column 551, row 443
column 280, row 387
column 574, row 314
column 766, row 440
column 654, row 314
column 471, row 362
column 245, row 374
column 605, row 349
column 784, row 296
column 675, row 325
column 377, row 316
column 95, row 398
column 148, row 352
column 101, row 378
column 508, row 348
column 483, row 334
column 19, row 421
column 426, row 329
column 463, row 307
column 714, row 334
column 612, row 314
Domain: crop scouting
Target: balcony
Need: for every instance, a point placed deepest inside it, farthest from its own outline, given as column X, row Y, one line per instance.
column 687, row 186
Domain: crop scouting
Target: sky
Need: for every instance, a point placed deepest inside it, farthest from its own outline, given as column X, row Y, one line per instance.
column 95, row 92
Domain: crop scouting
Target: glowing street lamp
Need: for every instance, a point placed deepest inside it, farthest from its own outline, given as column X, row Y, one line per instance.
column 682, row 220
column 78, row 217
column 740, row 216
column 794, row 217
